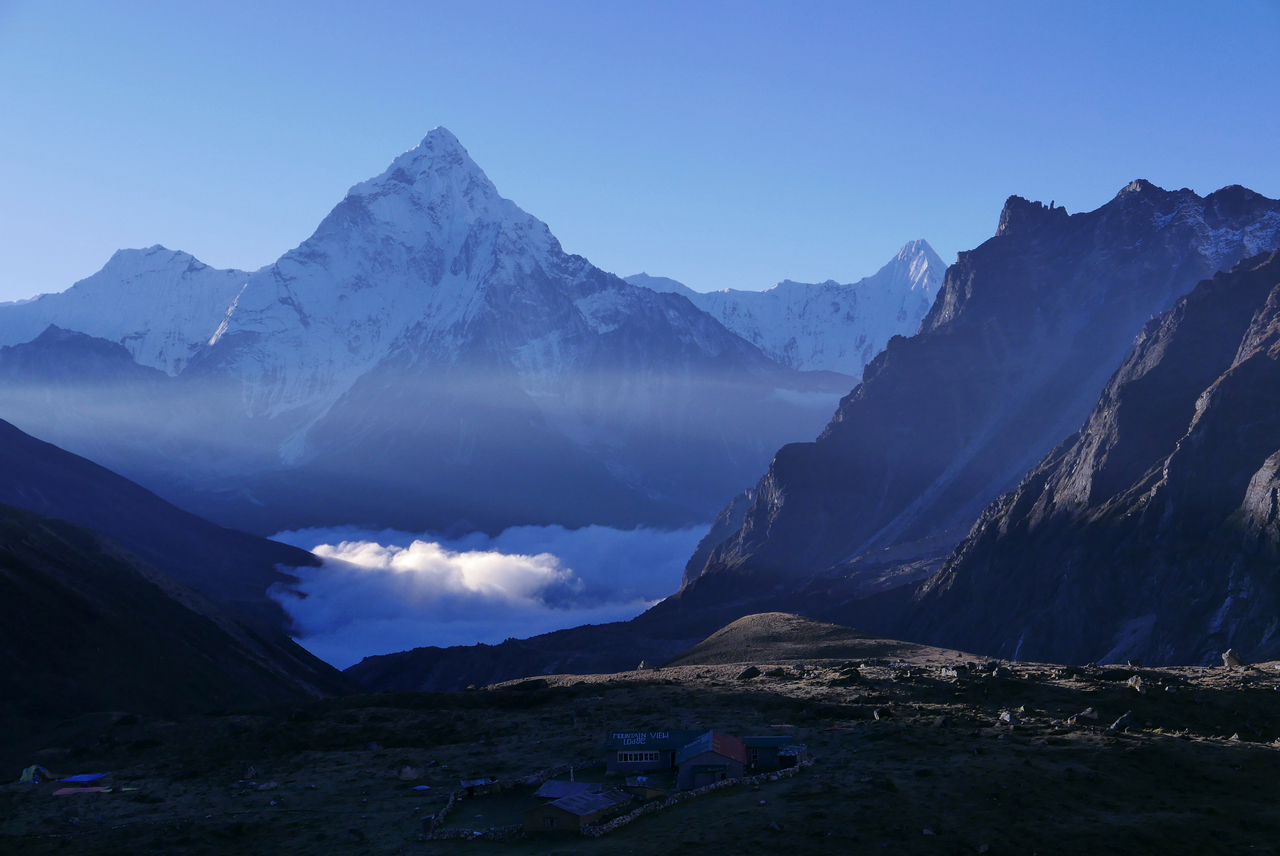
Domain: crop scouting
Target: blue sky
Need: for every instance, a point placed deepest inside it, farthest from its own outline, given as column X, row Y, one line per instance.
column 726, row 145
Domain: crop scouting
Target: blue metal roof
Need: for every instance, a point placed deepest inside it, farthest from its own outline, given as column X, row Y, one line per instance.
column 555, row 789
column 585, row 804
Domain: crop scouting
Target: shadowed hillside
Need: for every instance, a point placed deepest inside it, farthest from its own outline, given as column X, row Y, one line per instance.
column 88, row 627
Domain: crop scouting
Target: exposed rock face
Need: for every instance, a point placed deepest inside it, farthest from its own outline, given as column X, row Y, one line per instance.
column 1022, row 338
column 1153, row 532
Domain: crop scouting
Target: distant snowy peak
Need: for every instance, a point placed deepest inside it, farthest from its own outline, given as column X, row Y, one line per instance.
column 662, row 285
column 826, row 325
column 160, row 304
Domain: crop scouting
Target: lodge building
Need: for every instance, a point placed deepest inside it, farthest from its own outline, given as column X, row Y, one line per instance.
column 699, row 757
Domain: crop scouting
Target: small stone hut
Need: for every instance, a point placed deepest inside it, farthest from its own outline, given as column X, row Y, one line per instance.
column 762, row 752
column 712, row 757
column 571, row 813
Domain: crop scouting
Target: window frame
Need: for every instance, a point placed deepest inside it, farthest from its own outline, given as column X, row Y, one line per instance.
column 642, row 756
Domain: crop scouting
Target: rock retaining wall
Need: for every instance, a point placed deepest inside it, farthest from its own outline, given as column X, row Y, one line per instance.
column 684, row 796
column 499, row 833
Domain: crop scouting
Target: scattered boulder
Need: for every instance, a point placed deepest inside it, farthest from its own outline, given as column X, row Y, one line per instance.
column 1002, row 672
column 1123, row 723
column 1008, row 717
column 1231, row 659
column 1136, row 683
column 408, row 774
column 1087, row 713
column 748, row 673
column 776, row 673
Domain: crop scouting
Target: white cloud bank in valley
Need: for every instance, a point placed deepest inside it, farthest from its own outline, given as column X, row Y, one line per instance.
column 383, row 591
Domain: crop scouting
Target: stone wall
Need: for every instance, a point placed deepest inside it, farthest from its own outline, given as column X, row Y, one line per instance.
column 499, row 833
column 683, row 796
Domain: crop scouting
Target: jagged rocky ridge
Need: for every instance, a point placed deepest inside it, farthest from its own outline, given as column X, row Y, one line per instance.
column 826, row 325
column 1011, row 358
column 1154, row 532
column 429, row 358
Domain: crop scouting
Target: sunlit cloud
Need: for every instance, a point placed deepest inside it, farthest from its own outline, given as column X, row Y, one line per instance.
column 383, row 591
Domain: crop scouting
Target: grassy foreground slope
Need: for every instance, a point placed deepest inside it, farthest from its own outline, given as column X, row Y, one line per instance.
column 909, row 760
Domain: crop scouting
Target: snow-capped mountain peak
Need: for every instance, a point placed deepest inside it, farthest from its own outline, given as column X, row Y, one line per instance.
column 159, row 303
column 826, row 325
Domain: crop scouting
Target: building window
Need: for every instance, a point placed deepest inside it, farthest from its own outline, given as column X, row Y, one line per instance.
column 549, row 822
column 755, row 756
column 635, row 757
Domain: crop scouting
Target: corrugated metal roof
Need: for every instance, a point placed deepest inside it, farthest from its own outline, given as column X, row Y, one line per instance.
column 558, row 790
column 584, row 804
column 714, row 741
column 478, row 783
column 762, row 742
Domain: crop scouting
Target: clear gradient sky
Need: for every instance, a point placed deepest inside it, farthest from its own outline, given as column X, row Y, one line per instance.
column 725, row 145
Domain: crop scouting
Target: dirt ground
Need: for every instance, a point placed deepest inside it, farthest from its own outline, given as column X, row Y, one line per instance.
column 907, row 760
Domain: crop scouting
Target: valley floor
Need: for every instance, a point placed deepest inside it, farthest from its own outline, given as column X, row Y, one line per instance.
column 906, row 761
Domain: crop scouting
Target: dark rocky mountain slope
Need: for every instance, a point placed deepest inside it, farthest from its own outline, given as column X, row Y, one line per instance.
column 233, row 567
column 1154, row 532
column 1021, row 340
column 88, row 627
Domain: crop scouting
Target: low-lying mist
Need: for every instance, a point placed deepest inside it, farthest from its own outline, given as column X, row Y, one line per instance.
column 379, row 592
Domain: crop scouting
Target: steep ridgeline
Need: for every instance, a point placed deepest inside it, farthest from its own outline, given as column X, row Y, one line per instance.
column 1154, row 532
column 88, row 627
column 429, row 358
column 825, row 325
column 1024, row 334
